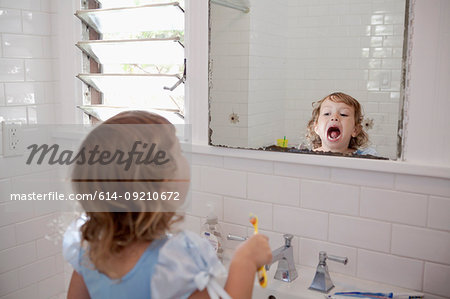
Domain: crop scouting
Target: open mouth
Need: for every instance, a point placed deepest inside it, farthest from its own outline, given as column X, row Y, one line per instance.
column 333, row 133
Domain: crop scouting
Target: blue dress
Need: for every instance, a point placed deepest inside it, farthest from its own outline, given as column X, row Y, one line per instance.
column 172, row 267
column 366, row 151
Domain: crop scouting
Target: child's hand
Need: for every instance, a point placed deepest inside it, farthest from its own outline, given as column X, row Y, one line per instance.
column 256, row 250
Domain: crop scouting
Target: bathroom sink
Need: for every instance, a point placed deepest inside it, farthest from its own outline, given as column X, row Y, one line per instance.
column 260, row 293
column 299, row 288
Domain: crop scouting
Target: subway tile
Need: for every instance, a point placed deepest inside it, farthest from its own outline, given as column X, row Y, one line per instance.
column 390, row 269
column 309, row 255
column 436, row 279
column 439, row 212
column 11, row 70
column 2, row 95
column 363, row 178
column 196, row 177
column 49, row 91
column 36, row 271
column 46, row 5
column 5, row 190
column 18, row 256
column 225, row 182
column 59, row 262
column 28, row 292
column 421, row 243
column 48, row 47
column 21, row 4
column 424, row 185
column 10, row 20
column 199, row 204
column 249, row 165
column 273, row 189
column 33, row 229
column 383, row 30
column 359, row 232
column 237, row 211
column 207, row 160
column 24, row 93
column 8, row 237
column 9, row 282
column 36, row 22
column 329, row 197
column 13, row 212
column 300, row 222
column 41, row 114
column 22, row 46
column 302, row 171
column 394, row 206
column 50, row 286
column 48, row 246
column 38, row 70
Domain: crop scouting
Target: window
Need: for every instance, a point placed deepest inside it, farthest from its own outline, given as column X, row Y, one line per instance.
column 133, row 57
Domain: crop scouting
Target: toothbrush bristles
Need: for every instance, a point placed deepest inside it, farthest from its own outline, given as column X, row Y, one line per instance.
column 252, row 219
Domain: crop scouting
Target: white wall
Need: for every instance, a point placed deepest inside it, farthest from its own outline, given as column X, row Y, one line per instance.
column 394, row 227
column 229, row 69
column 36, row 87
column 427, row 122
column 403, row 229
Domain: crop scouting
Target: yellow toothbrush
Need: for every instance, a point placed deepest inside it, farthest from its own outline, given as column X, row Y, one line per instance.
column 262, row 275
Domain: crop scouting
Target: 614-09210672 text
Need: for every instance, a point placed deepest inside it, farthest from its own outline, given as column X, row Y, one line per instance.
column 56, row 196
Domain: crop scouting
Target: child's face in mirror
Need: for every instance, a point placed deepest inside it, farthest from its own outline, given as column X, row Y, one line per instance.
column 335, row 126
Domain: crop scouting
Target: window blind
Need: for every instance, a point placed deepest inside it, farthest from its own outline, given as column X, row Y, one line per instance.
column 133, row 57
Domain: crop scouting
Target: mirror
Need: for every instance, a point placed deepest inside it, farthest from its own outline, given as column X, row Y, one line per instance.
column 267, row 67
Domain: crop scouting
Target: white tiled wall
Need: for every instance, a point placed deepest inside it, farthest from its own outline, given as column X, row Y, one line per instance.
column 30, row 265
column 391, row 233
column 229, row 65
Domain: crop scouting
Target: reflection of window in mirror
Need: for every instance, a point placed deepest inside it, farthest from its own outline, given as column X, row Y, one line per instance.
column 268, row 66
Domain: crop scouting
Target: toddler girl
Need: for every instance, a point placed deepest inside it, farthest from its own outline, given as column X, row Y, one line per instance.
column 335, row 126
column 120, row 247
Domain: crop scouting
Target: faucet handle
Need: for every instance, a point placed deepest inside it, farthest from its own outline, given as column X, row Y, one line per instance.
column 288, row 239
column 340, row 259
column 236, row 238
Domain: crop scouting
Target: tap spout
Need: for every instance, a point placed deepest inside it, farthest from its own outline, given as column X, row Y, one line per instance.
column 285, row 257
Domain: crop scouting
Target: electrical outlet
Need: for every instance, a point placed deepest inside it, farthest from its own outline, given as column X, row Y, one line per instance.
column 12, row 139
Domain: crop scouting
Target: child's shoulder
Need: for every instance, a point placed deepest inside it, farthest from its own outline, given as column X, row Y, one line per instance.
column 189, row 262
column 189, row 244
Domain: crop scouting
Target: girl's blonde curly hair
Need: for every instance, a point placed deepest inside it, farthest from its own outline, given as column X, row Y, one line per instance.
column 108, row 233
column 360, row 141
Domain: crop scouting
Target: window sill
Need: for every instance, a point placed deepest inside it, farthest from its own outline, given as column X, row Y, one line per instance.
column 387, row 166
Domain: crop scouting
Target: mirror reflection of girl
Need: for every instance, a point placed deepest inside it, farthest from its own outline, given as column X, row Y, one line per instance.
column 128, row 254
column 336, row 126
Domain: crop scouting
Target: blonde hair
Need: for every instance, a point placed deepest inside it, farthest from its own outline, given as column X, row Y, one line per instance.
column 112, row 226
column 361, row 140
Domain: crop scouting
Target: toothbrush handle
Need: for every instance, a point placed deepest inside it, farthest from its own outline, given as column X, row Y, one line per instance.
column 262, row 277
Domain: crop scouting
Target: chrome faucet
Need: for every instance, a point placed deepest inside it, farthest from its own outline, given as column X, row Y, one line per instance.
column 285, row 257
column 322, row 280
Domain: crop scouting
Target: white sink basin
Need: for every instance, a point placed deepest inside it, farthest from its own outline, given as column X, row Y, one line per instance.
column 299, row 288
